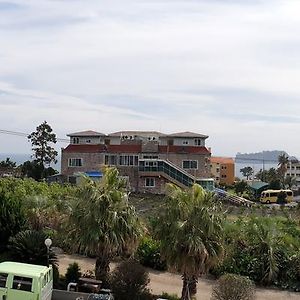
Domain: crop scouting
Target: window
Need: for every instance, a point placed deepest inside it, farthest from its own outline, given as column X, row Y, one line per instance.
column 190, row 164
column 75, row 140
column 198, row 142
column 128, row 160
column 75, row 162
column 22, row 283
column 111, row 160
column 185, row 142
column 223, row 176
column 150, row 163
column 3, row 278
column 150, row 182
column 88, row 141
column 217, row 170
column 150, row 156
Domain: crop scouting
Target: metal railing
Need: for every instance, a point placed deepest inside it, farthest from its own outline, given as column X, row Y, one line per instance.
column 166, row 167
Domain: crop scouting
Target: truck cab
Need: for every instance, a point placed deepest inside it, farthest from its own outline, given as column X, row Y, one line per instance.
column 20, row 281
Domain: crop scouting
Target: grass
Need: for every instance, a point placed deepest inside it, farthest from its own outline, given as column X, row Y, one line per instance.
column 150, row 206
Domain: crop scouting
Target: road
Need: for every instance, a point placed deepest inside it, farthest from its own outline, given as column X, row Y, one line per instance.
column 171, row 283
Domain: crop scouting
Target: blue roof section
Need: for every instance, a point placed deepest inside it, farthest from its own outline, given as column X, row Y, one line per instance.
column 94, row 174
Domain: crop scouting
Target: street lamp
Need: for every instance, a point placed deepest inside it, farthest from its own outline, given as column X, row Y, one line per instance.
column 48, row 243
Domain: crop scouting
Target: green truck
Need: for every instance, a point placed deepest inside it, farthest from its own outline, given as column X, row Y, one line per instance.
column 20, row 281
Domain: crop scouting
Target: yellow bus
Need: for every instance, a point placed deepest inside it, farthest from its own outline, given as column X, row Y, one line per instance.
column 20, row 281
column 271, row 196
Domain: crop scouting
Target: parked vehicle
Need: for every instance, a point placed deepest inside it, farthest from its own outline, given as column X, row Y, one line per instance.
column 271, row 196
column 20, row 281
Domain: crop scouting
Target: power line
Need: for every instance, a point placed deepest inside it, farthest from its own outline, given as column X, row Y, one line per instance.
column 23, row 134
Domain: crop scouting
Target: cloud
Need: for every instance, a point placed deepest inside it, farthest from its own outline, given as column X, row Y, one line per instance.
column 226, row 68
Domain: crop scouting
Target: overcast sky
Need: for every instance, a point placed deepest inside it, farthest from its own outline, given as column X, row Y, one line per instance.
column 225, row 68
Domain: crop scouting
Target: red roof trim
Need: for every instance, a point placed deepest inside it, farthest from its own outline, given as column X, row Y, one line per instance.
column 73, row 148
column 183, row 149
column 124, row 148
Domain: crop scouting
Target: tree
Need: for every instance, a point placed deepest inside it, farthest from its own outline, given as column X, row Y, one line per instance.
column 32, row 169
column 241, row 187
column 102, row 222
column 247, row 172
column 129, row 281
column 41, row 141
column 7, row 164
column 290, row 181
column 268, row 175
column 283, row 160
column 190, row 231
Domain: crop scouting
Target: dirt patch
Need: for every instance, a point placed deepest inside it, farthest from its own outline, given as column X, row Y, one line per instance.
column 171, row 283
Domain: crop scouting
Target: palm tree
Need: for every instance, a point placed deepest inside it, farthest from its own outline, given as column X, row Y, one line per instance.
column 191, row 234
column 290, row 181
column 283, row 160
column 266, row 242
column 102, row 222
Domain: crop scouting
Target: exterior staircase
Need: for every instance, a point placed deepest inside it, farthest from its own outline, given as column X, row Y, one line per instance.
column 233, row 199
column 160, row 167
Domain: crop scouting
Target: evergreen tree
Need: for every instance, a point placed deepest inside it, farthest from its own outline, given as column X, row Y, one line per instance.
column 41, row 141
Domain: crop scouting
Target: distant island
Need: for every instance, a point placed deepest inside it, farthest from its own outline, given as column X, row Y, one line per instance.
column 259, row 157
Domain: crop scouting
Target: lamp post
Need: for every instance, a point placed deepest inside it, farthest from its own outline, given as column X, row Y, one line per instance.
column 48, row 243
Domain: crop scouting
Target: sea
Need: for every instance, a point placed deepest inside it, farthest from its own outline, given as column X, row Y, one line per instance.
column 20, row 158
column 255, row 165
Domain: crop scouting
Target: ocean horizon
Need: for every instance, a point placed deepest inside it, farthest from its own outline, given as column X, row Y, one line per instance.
column 20, row 158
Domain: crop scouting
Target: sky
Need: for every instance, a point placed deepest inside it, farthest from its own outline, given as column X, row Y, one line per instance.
column 226, row 68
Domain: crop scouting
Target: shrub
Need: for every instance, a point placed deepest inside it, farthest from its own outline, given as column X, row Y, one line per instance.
column 29, row 247
column 169, row 296
column 231, row 286
column 73, row 273
column 11, row 217
column 148, row 254
column 129, row 281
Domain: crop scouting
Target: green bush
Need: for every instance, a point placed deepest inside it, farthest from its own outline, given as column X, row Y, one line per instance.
column 129, row 281
column 12, row 218
column 231, row 286
column 29, row 247
column 148, row 254
column 266, row 249
column 73, row 273
column 169, row 296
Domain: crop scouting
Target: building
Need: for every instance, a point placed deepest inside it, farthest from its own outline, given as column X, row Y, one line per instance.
column 293, row 170
column 149, row 159
column 222, row 170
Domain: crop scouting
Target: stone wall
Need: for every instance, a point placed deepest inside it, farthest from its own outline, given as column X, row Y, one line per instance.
column 90, row 162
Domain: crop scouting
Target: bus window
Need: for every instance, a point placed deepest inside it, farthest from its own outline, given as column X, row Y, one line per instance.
column 3, row 278
column 22, row 283
column 273, row 194
column 290, row 193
